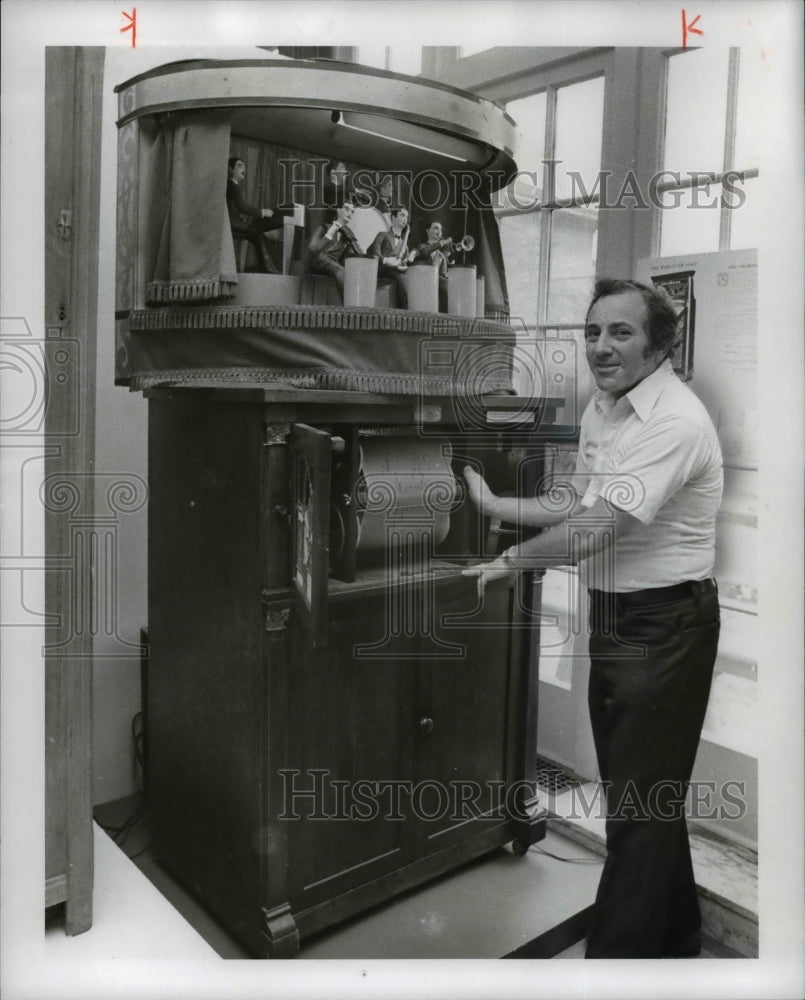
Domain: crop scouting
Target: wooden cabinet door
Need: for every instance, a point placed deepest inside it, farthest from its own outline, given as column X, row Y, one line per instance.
column 467, row 750
column 351, row 738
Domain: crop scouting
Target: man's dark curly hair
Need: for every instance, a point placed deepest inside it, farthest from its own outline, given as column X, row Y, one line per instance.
column 663, row 321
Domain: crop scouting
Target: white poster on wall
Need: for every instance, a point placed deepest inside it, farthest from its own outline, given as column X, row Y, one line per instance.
column 716, row 294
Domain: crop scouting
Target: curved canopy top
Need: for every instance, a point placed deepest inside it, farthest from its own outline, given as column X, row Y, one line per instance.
column 383, row 120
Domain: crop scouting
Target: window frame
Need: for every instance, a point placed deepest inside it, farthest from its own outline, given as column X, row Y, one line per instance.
column 728, row 165
column 549, row 80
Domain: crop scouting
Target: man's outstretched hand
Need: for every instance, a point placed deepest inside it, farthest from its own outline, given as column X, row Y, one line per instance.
column 498, row 569
column 480, row 494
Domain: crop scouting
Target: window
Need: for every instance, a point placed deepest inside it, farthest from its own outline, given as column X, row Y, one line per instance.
column 397, row 58
column 715, row 124
column 549, row 227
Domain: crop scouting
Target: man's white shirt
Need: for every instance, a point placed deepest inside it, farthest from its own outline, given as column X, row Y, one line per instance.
column 653, row 453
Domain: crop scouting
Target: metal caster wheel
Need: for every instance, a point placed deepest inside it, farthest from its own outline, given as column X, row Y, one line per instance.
column 519, row 848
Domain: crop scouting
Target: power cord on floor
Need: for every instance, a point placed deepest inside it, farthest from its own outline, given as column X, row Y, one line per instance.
column 120, row 834
column 573, row 861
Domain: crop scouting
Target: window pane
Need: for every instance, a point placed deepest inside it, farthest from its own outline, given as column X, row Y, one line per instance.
column 574, row 233
column 579, row 126
column 690, row 220
column 519, row 237
column 745, row 218
column 406, row 59
column 754, row 117
column 696, row 110
column 529, row 150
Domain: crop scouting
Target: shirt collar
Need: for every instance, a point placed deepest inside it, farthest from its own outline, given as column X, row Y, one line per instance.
column 643, row 396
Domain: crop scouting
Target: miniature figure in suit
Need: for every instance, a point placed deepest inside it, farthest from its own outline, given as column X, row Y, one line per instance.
column 436, row 250
column 391, row 249
column 331, row 244
column 249, row 221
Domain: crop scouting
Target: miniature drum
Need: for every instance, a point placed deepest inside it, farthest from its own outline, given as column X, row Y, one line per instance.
column 360, row 281
column 461, row 291
column 366, row 223
column 422, row 285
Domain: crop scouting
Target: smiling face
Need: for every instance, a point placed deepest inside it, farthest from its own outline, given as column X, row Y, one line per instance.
column 618, row 349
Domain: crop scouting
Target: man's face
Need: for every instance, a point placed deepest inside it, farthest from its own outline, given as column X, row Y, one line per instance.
column 345, row 212
column 400, row 220
column 618, row 350
column 238, row 171
column 435, row 232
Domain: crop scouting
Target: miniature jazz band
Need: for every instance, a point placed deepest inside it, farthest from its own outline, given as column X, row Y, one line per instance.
column 333, row 241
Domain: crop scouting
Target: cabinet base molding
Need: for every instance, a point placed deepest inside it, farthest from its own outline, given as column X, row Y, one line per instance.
column 281, row 932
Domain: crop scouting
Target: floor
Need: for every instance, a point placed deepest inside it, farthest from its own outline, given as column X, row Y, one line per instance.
column 533, row 907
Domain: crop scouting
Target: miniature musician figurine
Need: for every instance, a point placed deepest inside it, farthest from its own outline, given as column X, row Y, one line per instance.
column 391, row 249
column 330, row 244
column 249, row 221
column 435, row 250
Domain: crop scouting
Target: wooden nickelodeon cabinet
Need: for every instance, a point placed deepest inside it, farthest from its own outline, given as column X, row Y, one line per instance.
column 334, row 713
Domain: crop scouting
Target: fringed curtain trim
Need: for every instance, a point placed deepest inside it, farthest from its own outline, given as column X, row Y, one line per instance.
column 394, row 383
column 318, row 318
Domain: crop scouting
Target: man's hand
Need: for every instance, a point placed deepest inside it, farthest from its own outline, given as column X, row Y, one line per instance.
column 480, row 494
column 268, row 213
column 498, row 569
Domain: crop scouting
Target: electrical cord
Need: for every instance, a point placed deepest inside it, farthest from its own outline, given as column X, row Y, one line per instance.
column 573, row 861
column 120, row 833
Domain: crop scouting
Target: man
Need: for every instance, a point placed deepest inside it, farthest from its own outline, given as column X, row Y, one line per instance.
column 391, row 249
column 331, row 244
column 642, row 519
column 249, row 221
column 435, row 250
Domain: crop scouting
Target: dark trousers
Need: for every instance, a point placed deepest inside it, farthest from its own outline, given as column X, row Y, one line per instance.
column 322, row 263
column 254, row 234
column 651, row 668
column 387, row 275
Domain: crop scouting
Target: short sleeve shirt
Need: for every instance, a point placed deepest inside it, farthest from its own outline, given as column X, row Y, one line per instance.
column 653, row 453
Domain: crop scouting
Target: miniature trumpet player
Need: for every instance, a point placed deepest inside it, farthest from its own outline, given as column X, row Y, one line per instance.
column 435, row 250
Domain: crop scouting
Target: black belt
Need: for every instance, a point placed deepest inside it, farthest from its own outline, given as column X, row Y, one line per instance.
column 655, row 595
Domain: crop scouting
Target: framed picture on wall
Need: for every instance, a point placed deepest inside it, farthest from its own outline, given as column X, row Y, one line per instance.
column 679, row 286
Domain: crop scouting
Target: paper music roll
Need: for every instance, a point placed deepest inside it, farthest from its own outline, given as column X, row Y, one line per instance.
column 406, row 490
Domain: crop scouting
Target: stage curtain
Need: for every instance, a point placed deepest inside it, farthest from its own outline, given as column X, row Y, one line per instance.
column 195, row 256
column 488, row 258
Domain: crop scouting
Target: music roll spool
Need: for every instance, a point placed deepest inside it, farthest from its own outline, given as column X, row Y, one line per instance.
column 360, row 281
column 461, row 291
column 422, row 285
column 406, row 490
